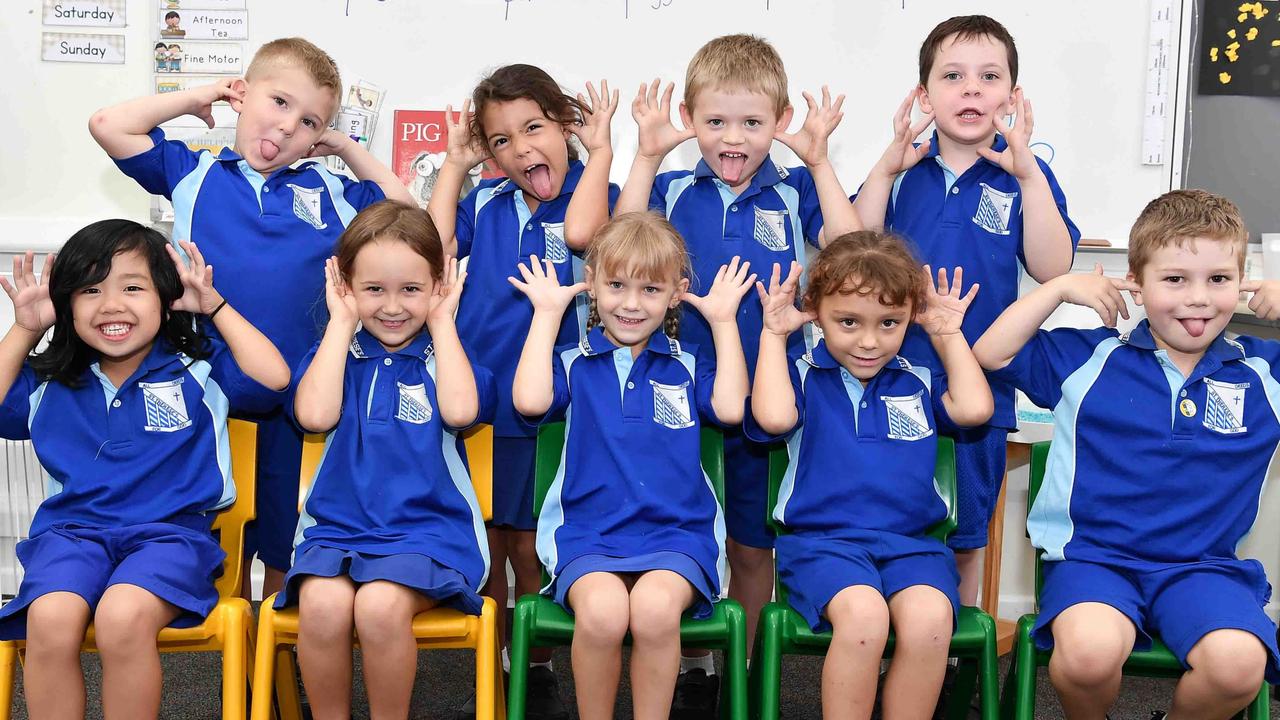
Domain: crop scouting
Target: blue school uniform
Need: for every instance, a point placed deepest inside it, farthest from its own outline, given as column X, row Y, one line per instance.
column 630, row 494
column 974, row 221
column 768, row 222
column 133, row 477
column 392, row 497
column 496, row 232
column 269, row 238
column 1126, row 515
column 859, row 496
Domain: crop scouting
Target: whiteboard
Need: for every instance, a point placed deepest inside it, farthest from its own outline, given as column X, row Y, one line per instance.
column 1083, row 65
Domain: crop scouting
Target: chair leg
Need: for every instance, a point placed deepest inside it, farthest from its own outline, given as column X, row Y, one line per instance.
column 1025, row 677
column 485, row 660
column 233, row 662
column 264, row 665
column 989, row 675
column 1260, row 708
column 287, row 685
column 961, row 697
column 766, row 663
column 735, row 662
column 521, row 627
column 8, row 661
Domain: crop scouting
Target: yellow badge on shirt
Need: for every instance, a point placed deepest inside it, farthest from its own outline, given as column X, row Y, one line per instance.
column 1188, row 407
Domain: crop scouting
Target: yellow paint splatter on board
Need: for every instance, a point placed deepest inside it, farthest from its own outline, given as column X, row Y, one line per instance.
column 1213, row 53
column 1242, row 17
column 1275, row 43
column 1231, row 33
column 1232, row 55
column 1251, row 35
column 1224, row 78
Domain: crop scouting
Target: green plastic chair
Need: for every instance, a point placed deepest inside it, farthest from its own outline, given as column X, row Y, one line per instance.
column 1158, row 661
column 539, row 622
column 783, row 631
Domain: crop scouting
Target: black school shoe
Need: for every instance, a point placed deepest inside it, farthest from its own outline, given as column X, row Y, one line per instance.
column 696, row 696
column 944, row 696
column 543, row 701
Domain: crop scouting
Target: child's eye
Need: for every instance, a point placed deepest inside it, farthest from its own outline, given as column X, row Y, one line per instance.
column 1174, row 279
column 990, row 76
column 615, row 285
column 1219, row 279
column 848, row 322
column 309, row 123
column 889, row 324
column 279, row 101
column 650, row 290
column 715, row 122
column 497, row 142
column 134, row 288
column 532, row 127
column 373, row 288
column 953, row 75
column 411, row 288
column 753, row 123
column 89, row 291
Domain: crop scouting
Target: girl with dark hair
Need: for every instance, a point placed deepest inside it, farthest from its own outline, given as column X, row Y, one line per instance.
column 127, row 410
column 549, row 205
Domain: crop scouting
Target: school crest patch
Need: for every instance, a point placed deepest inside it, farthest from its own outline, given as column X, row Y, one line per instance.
column 1224, row 407
column 166, row 407
column 671, row 405
column 413, row 406
column 994, row 208
column 907, row 420
column 771, row 228
column 306, row 205
column 557, row 251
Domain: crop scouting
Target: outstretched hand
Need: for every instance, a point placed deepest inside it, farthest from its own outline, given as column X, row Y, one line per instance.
column 721, row 302
column 902, row 153
column 944, row 308
column 658, row 135
column 198, row 293
column 1017, row 159
column 1097, row 291
column 444, row 301
column 541, row 285
column 809, row 143
column 462, row 149
column 338, row 297
column 32, row 308
column 593, row 133
column 778, row 302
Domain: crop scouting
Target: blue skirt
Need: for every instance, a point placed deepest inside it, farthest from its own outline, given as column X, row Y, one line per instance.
column 445, row 585
column 676, row 562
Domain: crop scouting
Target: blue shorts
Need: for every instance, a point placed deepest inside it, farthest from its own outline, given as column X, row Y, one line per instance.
column 1180, row 602
column 175, row 562
column 814, row 569
column 271, row 535
column 513, row 461
column 418, row 572
column 704, row 591
column 980, row 464
column 746, row 490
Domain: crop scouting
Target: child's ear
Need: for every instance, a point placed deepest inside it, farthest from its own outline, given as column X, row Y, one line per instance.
column 591, row 286
column 686, row 115
column 784, row 120
column 1135, row 294
column 239, row 86
column 922, row 96
column 682, row 287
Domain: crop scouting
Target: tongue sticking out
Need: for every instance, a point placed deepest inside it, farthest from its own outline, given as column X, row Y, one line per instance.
column 540, row 178
column 1193, row 326
column 732, row 166
column 268, row 150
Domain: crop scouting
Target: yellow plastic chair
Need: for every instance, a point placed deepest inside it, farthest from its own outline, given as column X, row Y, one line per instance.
column 435, row 629
column 229, row 627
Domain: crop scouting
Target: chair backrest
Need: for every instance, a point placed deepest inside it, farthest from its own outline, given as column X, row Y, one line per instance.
column 551, row 443
column 1035, row 478
column 478, row 440
column 243, row 438
column 944, row 474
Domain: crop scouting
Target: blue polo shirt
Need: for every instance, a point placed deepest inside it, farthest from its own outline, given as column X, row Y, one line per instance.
column 860, row 456
column 1147, row 464
column 393, row 476
column 267, row 238
column 630, row 480
column 768, row 222
column 973, row 221
column 496, row 232
column 154, row 449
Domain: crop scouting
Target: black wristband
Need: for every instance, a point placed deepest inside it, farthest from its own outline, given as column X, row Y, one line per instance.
column 220, row 306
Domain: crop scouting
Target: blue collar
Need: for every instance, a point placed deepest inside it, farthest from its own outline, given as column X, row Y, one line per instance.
column 820, row 357
column 595, row 343
column 571, row 178
column 1222, row 349
column 161, row 356
column 365, row 345
column 767, row 175
column 998, row 145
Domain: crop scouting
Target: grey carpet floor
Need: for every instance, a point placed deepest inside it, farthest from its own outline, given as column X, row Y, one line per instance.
column 192, row 681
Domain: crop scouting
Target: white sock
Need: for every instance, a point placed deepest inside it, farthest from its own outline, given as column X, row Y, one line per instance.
column 953, row 662
column 506, row 662
column 705, row 663
column 546, row 665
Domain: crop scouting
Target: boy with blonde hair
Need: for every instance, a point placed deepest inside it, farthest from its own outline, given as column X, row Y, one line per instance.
column 267, row 225
column 737, row 202
column 1162, row 441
